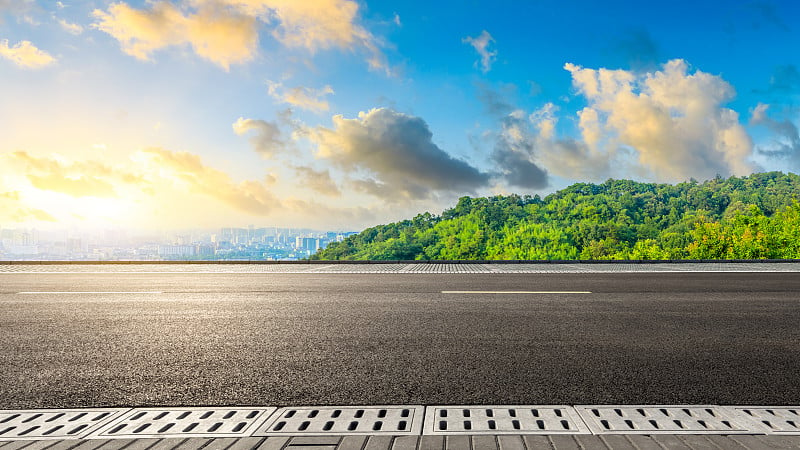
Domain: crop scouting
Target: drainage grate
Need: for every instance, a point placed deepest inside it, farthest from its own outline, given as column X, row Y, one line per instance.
column 184, row 422
column 771, row 419
column 661, row 419
column 53, row 424
column 341, row 420
column 503, row 420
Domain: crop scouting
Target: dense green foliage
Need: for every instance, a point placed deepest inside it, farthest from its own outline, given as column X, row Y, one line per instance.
column 757, row 216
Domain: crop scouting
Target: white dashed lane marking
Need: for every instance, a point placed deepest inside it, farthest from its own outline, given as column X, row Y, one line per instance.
column 516, row 292
column 86, row 292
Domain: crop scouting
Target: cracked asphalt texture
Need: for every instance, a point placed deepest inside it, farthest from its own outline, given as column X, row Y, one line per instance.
column 350, row 339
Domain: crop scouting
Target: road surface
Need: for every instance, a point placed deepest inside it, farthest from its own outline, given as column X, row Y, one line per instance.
column 139, row 339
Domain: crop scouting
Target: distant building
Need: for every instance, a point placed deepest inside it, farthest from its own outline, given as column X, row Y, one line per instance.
column 176, row 251
column 307, row 243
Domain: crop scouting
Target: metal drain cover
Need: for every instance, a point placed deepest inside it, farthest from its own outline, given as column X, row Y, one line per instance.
column 631, row 419
column 527, row 419
column 343, row 420
column 184, row 422
column 772, row 419
column 53, row 424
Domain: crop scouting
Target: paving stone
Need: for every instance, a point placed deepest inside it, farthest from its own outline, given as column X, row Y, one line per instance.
column 38, row 445
column 510, row 442
column 780, row 441
column 14, row 445
column 405, row 443
column 352, row 443
column 314, row 440
column 617, row 442
column 67, row 444
column 723, row 442
column 698, row 442
column 456, row 442
column 536, row 442
column 270, row 443
column 564, row 443
column 379, row 443
column 193, row 444
column 483, row 442
column 590, row 442
column 311, row 447
column 218, row 443
column 431, row 443
column 669, row 441
column 643, row 442
column 168, row 444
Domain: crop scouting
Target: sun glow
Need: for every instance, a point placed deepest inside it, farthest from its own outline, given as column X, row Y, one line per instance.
column 70, row 210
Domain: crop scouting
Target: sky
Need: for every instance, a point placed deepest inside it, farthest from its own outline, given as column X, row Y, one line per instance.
column 343, row 114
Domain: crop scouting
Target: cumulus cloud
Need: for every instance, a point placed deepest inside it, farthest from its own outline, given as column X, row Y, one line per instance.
column 188, row 169
column 69, row 27
column 398, row 154
column 672, row 120
column 481, row 45
column 76, row 179
column 13, row 209
column 25, row 55
column 319, row 181
column 219, row 35
column 301, row 97
column 226, row 31
column 514, row 153
column 786, row 138
column 266, row 139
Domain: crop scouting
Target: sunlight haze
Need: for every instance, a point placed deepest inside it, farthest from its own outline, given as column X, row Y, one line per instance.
column 343, row 114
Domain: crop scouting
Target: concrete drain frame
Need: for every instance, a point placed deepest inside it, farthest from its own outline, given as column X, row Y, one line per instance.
column 184, row 422
column 344, row 420
column 395, row 420
column 663, row 419
column 503, row 419
column 41, row 424
column 770, row 419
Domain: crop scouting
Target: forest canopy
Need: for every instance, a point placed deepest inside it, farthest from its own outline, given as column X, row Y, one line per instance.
column 752, row 217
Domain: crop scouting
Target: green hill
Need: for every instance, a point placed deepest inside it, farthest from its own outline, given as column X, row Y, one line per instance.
column 756, row 216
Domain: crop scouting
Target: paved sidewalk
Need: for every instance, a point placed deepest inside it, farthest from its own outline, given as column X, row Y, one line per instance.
column 382, row 442
column 399, row 268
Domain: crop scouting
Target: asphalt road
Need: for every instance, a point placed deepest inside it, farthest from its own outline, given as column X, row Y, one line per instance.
column 313, row 339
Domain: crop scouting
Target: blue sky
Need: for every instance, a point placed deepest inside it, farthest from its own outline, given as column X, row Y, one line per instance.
column 345, row 114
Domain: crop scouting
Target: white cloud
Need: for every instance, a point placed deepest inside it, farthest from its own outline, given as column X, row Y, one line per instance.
column 72, row 28
column 225, row 32
column 672, row 120
column 301, row 97
column 785, row 139
column 215, row 34
column 481, row 45
column 319, row 181
column 188, row 170
column 25, row 55
column 266, row 141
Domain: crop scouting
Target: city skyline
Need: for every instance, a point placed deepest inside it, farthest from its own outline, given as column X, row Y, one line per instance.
column 227, row 243
column 343, row 114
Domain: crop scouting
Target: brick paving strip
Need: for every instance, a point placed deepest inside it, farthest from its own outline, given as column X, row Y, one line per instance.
column 404, row 427
column 465, row 442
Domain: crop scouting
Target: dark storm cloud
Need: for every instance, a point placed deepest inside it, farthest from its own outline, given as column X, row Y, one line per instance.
column 399, row 153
